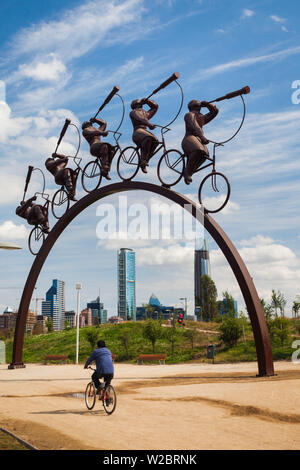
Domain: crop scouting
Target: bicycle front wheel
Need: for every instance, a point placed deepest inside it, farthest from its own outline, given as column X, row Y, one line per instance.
column 128, row 163
column 60, row 203
column 91, row 176
column 214, row 192
column 90, row 395
column 36, row 240
column 170, row 168
column 110, row 399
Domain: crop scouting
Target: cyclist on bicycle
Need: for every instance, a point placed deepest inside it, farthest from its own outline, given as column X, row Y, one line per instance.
column 62, row 175
column 144, row 139
column 104, row 365
column 35, row 214
column 102, row 150
column 194, row 142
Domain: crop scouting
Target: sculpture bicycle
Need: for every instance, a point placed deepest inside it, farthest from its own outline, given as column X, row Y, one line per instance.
column 129, row 161
column 171, row 165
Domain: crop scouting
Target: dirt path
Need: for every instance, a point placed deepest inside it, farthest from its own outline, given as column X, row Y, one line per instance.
column 188, row 406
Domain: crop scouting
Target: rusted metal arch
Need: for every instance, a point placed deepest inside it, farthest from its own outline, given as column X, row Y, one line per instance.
column 252, row 301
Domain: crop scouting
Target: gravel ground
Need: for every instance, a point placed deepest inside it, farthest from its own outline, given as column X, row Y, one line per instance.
column 184, row 406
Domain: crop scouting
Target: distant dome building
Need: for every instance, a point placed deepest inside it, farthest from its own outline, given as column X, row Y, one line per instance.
column 8, row 310
column 154, row 302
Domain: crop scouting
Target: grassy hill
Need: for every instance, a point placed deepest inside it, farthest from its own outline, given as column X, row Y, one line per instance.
column 64, row 342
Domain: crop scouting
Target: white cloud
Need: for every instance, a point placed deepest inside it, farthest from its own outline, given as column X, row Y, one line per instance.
column 247, row 13
column 277, row 19
column 245, row 62
column 79, row 29
column 10, row 231
column 50, row 69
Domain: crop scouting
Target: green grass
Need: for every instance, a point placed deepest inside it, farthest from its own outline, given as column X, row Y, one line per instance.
column 8, row 442
column 64, row 342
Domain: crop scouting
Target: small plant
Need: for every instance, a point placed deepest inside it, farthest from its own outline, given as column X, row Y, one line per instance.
column 231, row 331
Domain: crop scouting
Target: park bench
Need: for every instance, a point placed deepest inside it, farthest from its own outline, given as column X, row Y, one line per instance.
column 55, row 357
column 152, row 357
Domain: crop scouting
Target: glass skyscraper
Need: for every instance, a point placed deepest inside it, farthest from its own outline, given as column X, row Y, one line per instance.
column 126, row 284
column 54, row 305
column 201, row 267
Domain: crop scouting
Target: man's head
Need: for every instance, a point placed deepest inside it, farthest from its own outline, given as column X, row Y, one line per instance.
column 101, row 343
column 136, row 104
column 86, row 124
column 194, row 105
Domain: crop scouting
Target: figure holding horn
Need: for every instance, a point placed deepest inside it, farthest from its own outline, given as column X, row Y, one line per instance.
column 194, row 143
column 144, row 139
column 102, row 150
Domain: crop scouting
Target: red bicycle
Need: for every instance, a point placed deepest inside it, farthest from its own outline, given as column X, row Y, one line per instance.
column 107, row 395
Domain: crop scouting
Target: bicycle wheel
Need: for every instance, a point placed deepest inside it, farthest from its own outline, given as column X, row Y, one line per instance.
column 36, row 240
column 170, row 167
column 60, row 203
column 214, row 192
column 110, row 399
column 90, row 395
column 128, row 163
column 91, row 176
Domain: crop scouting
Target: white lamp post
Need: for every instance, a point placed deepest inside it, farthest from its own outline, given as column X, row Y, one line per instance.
column 78, row 287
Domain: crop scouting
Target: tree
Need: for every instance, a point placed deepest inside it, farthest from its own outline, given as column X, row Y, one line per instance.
column 149, row 309
column 49, row 324
column 170, row 335
column 228, row 304
column 280, row 329
column 275, row 301
column 152, row 331
column 92, row 337
column 191, row 334
column 231, row 330
column 296, row 308
column 125, row 337
column 208, row 298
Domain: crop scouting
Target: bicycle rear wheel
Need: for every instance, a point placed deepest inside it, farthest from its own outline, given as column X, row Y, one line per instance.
column 110, row 399
column 36, row 240
column 90, row 395
column 91, row 176
column 60, row 203
column 128, row 163
column 214, row 192
column 170, row 168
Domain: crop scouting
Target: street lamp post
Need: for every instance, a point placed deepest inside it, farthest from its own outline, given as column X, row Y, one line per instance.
column 78, row 287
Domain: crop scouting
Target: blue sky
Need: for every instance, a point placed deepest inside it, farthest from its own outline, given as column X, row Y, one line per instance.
column 60, row 60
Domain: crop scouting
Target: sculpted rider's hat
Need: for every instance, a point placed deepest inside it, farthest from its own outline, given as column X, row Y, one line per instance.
column 135, row 103
column 85, row 124
column 194, row 104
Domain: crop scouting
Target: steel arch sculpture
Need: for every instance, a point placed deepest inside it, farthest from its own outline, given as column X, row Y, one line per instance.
column 252, row 301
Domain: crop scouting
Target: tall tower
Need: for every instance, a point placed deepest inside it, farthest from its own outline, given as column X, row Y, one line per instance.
column 201, row 267
column 54, row 305
column 126, row 284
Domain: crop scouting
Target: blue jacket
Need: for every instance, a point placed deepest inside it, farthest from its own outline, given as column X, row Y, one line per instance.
column 103, row 359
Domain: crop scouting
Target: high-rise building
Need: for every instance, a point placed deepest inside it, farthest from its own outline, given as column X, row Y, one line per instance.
column 54, row 305
column 99, row 315
column 126, row 284
column 201, row 267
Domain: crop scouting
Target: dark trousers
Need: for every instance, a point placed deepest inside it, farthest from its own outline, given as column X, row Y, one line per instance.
column 96, row 377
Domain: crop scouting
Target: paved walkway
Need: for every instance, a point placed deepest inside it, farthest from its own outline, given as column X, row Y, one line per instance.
column 186, row 406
